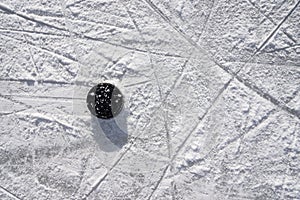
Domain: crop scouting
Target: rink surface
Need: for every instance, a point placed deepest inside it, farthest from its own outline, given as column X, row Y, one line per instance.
column 211, row 89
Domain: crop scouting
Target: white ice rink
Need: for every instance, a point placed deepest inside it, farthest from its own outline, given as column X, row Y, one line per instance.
column 212, row 99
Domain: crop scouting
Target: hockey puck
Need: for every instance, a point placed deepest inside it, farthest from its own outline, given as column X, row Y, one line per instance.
column 105, row 101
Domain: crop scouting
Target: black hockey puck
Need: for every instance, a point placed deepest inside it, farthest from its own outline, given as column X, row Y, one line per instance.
column 105, row 101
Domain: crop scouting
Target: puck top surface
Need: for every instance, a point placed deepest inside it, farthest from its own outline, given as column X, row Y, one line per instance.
column 105, row 100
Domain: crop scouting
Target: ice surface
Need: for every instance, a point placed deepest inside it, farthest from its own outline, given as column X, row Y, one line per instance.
column 211, row 90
